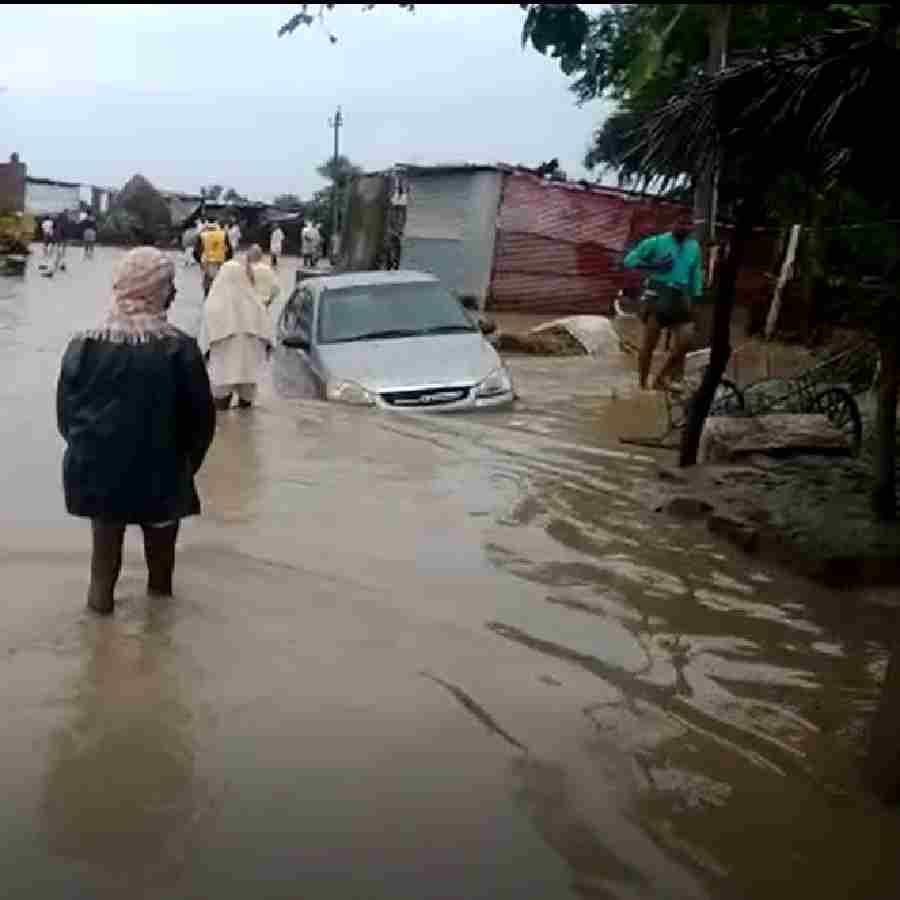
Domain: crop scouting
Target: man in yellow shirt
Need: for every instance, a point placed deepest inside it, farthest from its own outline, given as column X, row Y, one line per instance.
column 212, row 249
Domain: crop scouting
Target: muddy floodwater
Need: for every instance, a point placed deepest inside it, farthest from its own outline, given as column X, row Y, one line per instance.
column 417, row 657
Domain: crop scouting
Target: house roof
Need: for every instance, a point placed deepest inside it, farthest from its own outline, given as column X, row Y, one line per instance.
column 185, row 198
column 452, row 168
column 30, row 179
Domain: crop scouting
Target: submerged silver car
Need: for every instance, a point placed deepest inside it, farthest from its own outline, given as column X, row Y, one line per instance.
column 395, row 340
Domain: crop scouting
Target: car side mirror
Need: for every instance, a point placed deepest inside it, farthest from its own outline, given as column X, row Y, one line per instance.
column 297, row 342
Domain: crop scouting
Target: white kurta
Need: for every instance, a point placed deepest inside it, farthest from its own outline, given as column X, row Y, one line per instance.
column 235, row 362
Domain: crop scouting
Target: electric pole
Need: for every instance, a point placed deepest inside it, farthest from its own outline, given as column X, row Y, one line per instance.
column 335, row 123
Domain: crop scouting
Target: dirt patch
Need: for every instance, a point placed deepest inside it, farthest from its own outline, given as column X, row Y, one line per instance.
column 551, row 342
column 809, row 513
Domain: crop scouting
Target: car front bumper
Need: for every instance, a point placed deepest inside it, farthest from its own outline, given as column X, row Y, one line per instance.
column 396, row 402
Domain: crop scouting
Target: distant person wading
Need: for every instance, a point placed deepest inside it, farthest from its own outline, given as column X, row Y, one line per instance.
column 89, row 237
column 238, row 332
column 135, row 409
column 212, row 249
column 276, row 243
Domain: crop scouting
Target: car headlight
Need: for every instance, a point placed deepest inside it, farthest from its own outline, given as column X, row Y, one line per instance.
column 349, row 392
column 497, row 383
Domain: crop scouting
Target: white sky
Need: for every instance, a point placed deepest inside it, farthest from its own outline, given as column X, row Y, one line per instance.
column 193, row 95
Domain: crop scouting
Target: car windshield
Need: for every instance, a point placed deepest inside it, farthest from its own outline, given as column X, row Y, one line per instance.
column 370, row 312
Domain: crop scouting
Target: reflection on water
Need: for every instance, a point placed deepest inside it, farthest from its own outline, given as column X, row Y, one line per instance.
column 120, row 792
column 231, row 491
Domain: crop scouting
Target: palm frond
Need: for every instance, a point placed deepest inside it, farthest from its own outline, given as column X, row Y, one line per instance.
column 808, row 107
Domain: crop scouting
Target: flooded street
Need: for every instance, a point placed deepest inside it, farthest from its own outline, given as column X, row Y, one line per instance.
column 417, row 657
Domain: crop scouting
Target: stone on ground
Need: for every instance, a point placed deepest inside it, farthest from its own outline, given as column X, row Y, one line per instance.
column 726, row 439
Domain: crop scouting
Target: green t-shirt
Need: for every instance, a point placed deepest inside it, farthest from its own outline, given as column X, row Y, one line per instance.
column 687, row 265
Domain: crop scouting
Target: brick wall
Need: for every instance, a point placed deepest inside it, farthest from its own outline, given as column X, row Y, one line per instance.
column 12, row 185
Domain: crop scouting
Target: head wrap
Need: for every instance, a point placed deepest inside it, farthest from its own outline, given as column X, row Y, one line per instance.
column 142, row 285
column 232, row 306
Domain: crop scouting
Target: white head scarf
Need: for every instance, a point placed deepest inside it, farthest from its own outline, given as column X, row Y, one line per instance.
column 142, row 286
column 233, row 307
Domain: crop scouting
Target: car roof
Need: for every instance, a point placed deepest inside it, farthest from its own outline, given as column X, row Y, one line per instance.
column 364, row 279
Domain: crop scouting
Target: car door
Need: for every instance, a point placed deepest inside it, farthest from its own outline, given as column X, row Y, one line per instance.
column 295, row 333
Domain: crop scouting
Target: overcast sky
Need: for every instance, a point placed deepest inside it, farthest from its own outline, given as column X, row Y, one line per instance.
column 192, row 95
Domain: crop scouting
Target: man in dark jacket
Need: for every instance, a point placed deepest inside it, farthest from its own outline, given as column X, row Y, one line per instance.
column 135, row 409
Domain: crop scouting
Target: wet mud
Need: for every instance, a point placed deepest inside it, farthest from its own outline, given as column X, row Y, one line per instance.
column 423, row 657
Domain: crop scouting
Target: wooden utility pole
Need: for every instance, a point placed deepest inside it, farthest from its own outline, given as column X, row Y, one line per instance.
column 705, row 192
column 335, row 123
column 706, row 184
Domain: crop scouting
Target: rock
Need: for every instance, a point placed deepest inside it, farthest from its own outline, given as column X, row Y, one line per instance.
column 738, row 531
column 727, row 438
column 594, row 333
column 687, row 507
column 549, row 343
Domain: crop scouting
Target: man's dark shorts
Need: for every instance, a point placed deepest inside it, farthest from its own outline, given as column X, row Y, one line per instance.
column 669, row 306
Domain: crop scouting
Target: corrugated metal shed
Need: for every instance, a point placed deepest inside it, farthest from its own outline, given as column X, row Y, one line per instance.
column 515, row 240
column 560, row 245
column 450, row 225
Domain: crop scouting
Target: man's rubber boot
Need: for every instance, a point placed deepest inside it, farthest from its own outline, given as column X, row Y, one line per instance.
column 159, row 552
column 106, row 563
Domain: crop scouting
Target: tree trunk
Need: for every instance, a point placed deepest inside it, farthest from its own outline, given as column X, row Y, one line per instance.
column 884, row 495
column 706, row 182
column 882, row 767
column 705, row 186
column 720, row 349
column 811, row 265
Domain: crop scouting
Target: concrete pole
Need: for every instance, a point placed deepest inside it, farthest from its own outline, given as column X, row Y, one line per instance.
column 335, row 123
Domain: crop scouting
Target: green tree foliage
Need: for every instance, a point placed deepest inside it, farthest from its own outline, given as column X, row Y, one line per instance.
column 232, row 196
column 637, row 55
column 287, row 201
column 340, row 170
column 148, row 212
column 118, row 226
column 306, row 17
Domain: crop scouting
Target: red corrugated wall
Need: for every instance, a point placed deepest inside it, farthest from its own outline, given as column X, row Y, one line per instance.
column 559, row 246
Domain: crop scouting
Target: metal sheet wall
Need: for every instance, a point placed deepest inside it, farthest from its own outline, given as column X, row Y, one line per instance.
column 559, row 247
column 451, row 226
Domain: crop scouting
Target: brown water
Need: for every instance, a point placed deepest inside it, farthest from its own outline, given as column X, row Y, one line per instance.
column 418, row 658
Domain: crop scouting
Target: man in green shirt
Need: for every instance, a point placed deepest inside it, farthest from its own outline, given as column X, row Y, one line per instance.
column 675, row 267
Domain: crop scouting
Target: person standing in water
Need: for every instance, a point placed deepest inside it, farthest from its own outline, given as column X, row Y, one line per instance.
column 234, row 236
column 134, row 407
column 212, row 250
column 47, row 232
column 265, row 284
column 238, row 332
column 89, row 236
column 61, row 233
column 675, row 267
column 309, row 244
column 276, row 243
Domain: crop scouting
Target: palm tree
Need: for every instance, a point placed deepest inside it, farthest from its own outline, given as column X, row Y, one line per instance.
column 805, row 109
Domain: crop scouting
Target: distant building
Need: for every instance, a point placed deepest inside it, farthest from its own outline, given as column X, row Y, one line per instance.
column 182, row 206
column 12, row 185
column 46, row 196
